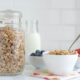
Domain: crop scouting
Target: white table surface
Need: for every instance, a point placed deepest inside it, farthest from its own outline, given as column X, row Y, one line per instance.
column 24, row 75
column 20, row 77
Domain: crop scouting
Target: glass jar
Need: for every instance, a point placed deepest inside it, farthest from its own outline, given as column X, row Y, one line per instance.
column 12, row 49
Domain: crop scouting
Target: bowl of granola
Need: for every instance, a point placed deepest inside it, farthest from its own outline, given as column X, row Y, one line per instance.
column 60, row 62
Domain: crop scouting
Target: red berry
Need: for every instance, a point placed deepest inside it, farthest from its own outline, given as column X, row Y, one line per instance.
column 78, row 51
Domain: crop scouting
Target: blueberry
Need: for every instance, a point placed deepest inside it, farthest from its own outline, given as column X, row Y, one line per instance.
column 42, row 51
column 33, row 54
column 38, row 53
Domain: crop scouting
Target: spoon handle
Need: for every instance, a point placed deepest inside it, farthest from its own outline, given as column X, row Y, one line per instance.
column 74, row 41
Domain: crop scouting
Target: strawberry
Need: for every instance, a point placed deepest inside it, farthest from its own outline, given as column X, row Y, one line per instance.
column 78, row 51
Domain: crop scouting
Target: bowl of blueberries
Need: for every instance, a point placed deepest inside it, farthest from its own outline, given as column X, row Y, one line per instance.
column 36, row 59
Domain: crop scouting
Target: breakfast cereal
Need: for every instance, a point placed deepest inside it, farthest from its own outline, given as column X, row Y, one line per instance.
column 61, row 52
column 11, row 50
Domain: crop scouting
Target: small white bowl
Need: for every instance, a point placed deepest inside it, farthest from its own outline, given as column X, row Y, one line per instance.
column 37, row 62
column 60, row 64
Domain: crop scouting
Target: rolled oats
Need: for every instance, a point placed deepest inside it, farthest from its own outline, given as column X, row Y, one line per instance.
column 61, row 52
column 11, row 50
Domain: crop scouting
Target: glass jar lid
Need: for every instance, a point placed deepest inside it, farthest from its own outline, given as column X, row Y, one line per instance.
column 10, row 16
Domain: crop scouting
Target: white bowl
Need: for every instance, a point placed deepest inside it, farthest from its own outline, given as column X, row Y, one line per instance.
column 60, row 64
column 37, row 62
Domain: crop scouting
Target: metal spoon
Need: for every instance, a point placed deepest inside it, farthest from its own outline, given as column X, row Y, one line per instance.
column 74, row 41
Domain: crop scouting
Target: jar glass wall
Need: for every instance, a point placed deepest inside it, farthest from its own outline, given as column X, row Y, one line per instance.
column 12, row 48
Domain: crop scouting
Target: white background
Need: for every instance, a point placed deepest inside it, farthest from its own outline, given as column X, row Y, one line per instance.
column 59, row 20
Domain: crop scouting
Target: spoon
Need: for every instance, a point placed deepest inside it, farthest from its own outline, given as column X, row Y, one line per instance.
column 74, row 41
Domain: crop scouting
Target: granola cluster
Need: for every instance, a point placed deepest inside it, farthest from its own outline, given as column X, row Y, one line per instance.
column 11, row 50
column 61, row 52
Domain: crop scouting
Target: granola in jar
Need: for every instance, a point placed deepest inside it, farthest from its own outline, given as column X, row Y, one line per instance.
column 11, row 50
